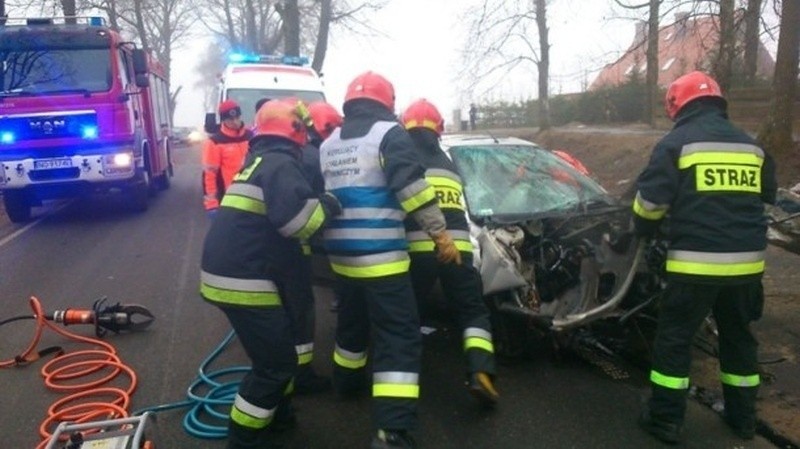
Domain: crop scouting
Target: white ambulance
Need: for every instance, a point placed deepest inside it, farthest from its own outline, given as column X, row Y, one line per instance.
column 250, row 78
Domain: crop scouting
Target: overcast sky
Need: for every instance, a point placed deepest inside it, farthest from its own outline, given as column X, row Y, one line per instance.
column 419, row 51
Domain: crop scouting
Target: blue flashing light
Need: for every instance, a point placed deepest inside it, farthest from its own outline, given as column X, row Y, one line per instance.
column 295, row 60
column 89, row 132
column 7, row 137
column 96, row 21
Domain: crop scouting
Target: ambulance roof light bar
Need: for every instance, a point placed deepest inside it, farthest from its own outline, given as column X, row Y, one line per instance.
column 268, row 59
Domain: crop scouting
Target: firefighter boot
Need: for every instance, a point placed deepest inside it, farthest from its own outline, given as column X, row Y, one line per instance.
column 664, row 431
column 307, row 381
column 387, row 439
column 241, row 437
column 481, row 387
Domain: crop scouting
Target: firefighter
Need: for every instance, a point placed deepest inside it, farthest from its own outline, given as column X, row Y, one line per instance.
column 246, row 254
column 223, row 154
column 461, row 283
column 320, row 119
column 707, row 180
column 370, row 164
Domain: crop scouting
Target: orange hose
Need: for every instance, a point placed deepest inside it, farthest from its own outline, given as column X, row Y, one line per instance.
column 75, row 407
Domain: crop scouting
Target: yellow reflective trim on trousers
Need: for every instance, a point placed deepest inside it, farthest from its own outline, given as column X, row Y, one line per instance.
column 245, row 420
column 427, row 246
column 305, row 359
column 348, row 363
column 715, row 269
column 415, row 202
column 257, row 299
column 244, row 203
column 289, row 388
column 313, row 224
column 306, row 249
column 719, row 157
column 736, row 380
column 478, row 343
column 674, row 383
column 395, row 391
column 639, row 210
column 373, row 271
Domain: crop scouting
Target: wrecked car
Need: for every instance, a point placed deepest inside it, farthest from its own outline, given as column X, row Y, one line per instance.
column 555, row 251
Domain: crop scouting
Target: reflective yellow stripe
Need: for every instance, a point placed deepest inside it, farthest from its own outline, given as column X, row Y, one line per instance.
column 478, row 343
column 716, row 157
column 239, row 298
column 246, row 420
column 640, row 209
column 313, row 224
column 430, row 124
column 414, row 202
column 373, row 271
column 395, row 391
column 349, row 363
column 736, row 380
column 244, row 203
column 715, row 269
column 305, row 359
column 306, row 249
column 674, row 383
column 247, row 172
column 289, row 388
column 441, row 181
column 427, row 246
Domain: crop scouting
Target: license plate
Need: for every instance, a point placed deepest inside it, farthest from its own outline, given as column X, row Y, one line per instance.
column 47, row 164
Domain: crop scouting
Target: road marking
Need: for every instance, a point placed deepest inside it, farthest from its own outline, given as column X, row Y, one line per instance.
column 18, row 232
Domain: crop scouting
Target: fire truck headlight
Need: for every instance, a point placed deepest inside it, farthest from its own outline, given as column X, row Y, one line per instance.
column 7, row 137
column 122, row 160
column 89, row 132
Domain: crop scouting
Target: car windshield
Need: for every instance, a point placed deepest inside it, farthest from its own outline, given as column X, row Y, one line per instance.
column 522, row 180
column 247, row 98
column 40, row 71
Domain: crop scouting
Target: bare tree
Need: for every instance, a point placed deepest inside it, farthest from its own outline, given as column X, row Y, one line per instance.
column 500, row 39
column 776, row 131
column 752, row 25
column 726, row 52
column 289, row 11
column 321, row 48
column 651, row 77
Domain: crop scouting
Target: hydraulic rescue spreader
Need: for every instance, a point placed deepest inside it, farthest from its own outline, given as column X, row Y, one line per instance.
column 116, row 318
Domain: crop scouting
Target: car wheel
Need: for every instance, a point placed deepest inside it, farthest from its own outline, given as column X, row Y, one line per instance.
column 18, row 206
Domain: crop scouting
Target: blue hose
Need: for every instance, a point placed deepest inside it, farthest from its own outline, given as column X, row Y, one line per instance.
column 205, row 407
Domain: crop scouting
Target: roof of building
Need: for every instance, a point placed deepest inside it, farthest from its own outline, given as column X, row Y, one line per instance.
column 685, row 45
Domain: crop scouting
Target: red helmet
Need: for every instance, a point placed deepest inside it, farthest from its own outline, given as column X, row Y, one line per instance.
column 423, row 114
column 690, row 87
column 229, row 109
column 282, row 118
column 373, row 86
column 325, row 117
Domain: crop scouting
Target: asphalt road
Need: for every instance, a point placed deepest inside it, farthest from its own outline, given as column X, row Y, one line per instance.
column 88, row 250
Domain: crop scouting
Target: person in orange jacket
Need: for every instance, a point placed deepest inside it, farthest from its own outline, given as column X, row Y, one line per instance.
column 223, row 154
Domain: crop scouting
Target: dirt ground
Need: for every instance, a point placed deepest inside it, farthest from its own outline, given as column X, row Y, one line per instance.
column 615, row 157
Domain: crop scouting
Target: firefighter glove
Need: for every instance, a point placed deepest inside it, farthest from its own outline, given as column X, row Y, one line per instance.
column 331, row 204
column 446, row 251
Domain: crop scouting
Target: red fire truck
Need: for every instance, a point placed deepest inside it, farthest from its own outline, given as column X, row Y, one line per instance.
column 81, row 111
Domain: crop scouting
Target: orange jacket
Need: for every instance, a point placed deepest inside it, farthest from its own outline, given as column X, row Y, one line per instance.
column 223, row 154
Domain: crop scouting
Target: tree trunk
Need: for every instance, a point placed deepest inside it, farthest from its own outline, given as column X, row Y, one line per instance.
column 2, row 12
column 113, row 15
column 727, row 45
column 752, row 19
column 291, row 28
column 68, row 6
column 232, row 38
column 321, row 49
column 140, row 28
column 250, row 30
column 543, row 65
column 651, row 78
column 775, row 134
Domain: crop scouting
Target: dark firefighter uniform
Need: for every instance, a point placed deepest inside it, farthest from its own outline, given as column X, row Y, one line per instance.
column 461, row 283
column 246, row 262
column 709, row 180
column 370, row 165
